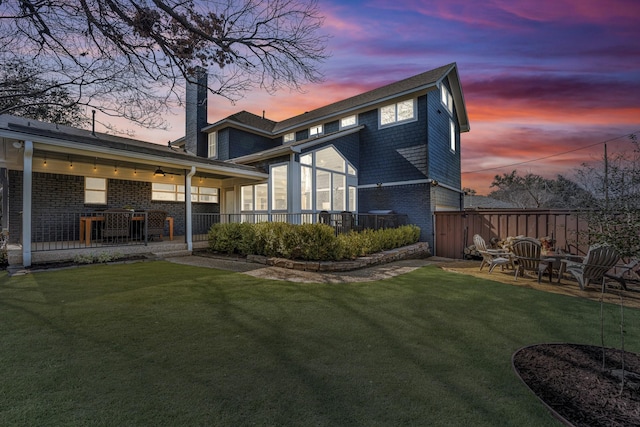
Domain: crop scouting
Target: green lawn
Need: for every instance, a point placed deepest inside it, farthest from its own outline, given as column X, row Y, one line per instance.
column 156, row 344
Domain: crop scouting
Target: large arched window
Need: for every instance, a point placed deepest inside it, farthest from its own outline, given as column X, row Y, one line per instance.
column 328, row 182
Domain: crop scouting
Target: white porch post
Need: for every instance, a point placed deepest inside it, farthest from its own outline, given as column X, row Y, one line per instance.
column 187, row 200
column 294, row 190
column 27, row 184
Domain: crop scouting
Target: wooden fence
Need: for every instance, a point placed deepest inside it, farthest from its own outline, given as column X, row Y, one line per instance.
column 454, row 230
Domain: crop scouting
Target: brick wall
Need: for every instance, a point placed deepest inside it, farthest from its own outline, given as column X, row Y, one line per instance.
column 411, row 200
column 57, row 194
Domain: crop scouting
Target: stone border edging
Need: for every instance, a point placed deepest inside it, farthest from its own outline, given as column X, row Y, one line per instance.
column 417, row 250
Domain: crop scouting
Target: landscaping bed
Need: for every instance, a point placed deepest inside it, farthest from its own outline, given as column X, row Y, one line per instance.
column 578, row 388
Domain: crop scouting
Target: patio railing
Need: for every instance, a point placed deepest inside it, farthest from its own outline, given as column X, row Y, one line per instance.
column 52, row 231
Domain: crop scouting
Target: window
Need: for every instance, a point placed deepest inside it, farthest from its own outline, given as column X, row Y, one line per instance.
column 290, row 137
column 306, row 188
column 446, row 98
column 204, row 194
column 315, row 131
column 279, row 180
column 254, row 196
column 328, row 176
column 452, row 136
column 347, row 122
column 175, row 193
column 397, row 113
column 95, row 191
column 212, row 151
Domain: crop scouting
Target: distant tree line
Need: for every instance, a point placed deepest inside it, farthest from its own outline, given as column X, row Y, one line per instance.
column 606, row 193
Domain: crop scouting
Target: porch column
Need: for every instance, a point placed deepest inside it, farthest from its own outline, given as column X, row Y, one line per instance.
column 188, row 223
column 27, row 176
column 294, row 190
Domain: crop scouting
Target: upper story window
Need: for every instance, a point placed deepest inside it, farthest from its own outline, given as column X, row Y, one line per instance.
column 452, row 136
column 315, row 131
column 446, row 98
column 95, row 191
column 212, row 151
column 290, row 137
column 347, row 122
column 399, row 112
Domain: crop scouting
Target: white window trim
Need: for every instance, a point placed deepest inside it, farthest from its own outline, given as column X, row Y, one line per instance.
column 397, row 122
column 106, row 188
column 350, row 181
column 287, row 187
column 446, row 98
column 319, row 133
column 452, row 136
column 348, row 117
column 179, row 196
column 212, row 140
column 289, row 137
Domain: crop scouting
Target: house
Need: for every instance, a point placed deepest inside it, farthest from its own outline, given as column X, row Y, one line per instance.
column 395, row 149
column 474, row 201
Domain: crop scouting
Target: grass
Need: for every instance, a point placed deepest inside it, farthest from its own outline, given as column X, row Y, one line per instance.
column 159, row 344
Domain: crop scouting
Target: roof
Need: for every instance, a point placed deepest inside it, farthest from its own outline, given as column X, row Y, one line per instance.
column 22, row 128
column 485, row 202
column 408, row 86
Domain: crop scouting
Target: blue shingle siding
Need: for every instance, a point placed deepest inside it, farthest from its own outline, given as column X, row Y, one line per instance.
column 331, row 127
column 444, row 164
column 223, row 144
column 57, row 194
column 411, row 200
column 347, row 145
column 395, row 153
column 244, row 143
column 264, row 164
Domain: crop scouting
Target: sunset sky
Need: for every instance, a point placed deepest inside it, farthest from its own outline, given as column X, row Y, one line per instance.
column 546, row 82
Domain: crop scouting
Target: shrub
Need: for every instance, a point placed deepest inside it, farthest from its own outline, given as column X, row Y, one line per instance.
column 232, row 238
column 309, row 242
column 101, row 257
column 270, row 238
column 367, row 242
column 312, row 242
column 4, row 254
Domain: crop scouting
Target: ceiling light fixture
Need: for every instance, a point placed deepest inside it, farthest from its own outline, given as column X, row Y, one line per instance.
column 159, row 172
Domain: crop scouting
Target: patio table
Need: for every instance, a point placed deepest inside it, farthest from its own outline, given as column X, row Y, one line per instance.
column 555, row 261
column 86, row 223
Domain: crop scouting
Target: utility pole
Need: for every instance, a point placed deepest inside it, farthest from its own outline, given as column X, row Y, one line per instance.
column 606, row 178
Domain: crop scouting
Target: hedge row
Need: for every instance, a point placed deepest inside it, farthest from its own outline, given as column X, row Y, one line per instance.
column 310, row 242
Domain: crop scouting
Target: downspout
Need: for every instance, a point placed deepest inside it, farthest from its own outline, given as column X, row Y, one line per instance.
column 27, row 176
column 188, row 212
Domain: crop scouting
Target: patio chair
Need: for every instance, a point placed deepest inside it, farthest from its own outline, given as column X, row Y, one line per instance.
column 117, row 224
column 491, row 257
column 155, row 223
column 599, row 260
column 526, row 252
column 628, row 271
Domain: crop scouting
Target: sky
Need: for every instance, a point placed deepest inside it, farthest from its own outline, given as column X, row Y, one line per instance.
column 546, row 82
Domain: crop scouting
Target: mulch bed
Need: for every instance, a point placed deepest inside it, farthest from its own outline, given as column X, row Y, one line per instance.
column 571, row 380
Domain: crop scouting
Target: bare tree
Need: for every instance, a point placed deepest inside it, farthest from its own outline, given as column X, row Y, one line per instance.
column 130, row 58
column 614, row 214
column 534, row 191
column 24, row 93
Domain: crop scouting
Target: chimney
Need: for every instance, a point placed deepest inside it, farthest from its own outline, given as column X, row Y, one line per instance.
column 196, row 113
